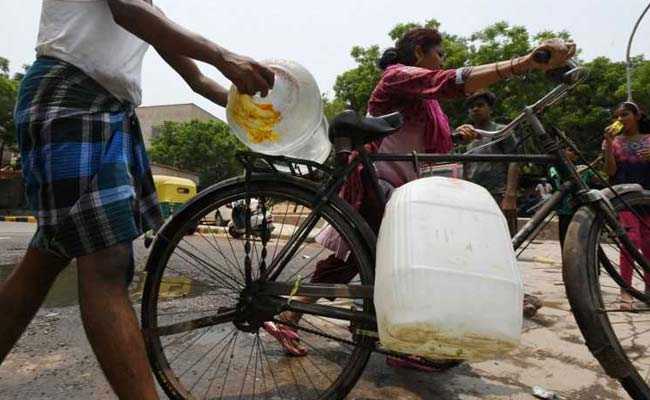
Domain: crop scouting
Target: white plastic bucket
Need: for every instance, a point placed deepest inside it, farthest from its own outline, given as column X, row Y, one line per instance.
column 447, row 285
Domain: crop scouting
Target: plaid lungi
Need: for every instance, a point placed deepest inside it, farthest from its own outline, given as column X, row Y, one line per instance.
column 86, row 173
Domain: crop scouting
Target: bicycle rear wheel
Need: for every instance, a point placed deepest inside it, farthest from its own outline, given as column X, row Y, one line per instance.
column 617, row 336
column 205, row 337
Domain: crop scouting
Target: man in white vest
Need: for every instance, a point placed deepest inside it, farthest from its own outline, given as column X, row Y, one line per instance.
column 86, row 173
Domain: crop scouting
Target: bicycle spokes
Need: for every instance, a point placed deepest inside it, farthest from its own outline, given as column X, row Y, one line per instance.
column 212, row 304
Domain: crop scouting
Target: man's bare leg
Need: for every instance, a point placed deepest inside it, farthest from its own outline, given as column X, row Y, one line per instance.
column 111, row 324
column 22, row 294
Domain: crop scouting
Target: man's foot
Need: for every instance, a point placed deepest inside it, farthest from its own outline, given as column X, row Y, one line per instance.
column 531, row 305
column 287, row 337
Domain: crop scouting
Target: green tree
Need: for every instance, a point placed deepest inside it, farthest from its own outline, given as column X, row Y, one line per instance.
column 353, row 87
column 207, row 148
column 333, row 107
column 8, row 92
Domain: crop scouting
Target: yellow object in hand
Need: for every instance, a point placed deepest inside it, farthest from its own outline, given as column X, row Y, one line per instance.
column 258, row 120
column 616, row 127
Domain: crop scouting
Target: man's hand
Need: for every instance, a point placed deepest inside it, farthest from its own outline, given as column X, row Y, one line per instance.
column 249, row 76
column 467, row 133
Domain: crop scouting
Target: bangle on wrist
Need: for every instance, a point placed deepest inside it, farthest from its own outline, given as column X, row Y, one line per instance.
column 496, row 67
column 512, row 68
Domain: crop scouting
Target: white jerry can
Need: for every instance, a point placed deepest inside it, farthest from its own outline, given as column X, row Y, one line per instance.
column 447, row 284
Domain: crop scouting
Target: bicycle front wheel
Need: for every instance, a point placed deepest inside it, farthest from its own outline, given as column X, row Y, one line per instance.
column 601, row 278
column 204, row 326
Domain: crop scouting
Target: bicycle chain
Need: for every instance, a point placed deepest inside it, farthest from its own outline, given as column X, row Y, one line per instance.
column 265, row 237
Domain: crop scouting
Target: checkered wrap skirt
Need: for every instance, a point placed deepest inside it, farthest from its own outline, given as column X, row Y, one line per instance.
column 86, row 173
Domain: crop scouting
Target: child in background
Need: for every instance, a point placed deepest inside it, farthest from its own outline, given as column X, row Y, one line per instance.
column 627, row 160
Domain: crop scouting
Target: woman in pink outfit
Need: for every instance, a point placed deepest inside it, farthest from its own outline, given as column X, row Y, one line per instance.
column 412, row 83
column 627, row 158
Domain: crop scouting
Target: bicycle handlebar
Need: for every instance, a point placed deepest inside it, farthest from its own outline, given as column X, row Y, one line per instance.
column 567, row 77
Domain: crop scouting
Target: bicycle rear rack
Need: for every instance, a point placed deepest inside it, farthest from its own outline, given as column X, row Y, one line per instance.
column 266, row 164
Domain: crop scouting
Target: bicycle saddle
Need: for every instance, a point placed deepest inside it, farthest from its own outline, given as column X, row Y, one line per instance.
column 362, row 130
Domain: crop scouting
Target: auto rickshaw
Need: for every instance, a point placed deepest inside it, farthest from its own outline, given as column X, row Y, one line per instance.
column 173, row 192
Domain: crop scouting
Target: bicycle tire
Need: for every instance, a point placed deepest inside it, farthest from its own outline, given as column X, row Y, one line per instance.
column 338, row 213
column 584, row 278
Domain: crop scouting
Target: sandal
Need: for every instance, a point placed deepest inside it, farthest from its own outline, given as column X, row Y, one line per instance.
column 287, row 337
column 625, row 304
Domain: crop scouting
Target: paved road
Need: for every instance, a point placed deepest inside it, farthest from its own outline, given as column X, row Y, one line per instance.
column 54, row 361
column 14, row 237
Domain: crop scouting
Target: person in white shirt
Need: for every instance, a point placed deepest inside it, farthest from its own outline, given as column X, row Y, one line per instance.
column 86, row 173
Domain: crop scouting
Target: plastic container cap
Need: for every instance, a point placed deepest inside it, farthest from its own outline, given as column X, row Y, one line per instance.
column 289, row 121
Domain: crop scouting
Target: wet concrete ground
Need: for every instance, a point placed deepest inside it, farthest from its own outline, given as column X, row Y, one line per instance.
column 54, row 361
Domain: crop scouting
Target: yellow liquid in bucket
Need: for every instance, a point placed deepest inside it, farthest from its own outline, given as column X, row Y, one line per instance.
column 258, row 120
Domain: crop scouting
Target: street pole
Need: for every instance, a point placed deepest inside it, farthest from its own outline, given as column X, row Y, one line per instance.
column 627, row 56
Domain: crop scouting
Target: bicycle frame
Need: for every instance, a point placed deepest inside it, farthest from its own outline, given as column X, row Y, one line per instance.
column 554, row 154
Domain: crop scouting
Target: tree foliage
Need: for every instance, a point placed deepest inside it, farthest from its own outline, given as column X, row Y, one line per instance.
column 206, row 147
column 8, row 92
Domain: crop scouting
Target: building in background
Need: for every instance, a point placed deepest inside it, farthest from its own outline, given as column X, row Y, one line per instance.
column 152, row 116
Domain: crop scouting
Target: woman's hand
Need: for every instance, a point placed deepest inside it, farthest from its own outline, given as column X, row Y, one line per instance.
column 560, row 50
column 609, row 134
column 645, row 154
column 467, row 133
column 608, row 152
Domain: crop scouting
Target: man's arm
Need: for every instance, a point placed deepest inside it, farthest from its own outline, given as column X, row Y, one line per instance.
column 151, row 25
column 509, row 202
column 512, row 184
column 199, row 83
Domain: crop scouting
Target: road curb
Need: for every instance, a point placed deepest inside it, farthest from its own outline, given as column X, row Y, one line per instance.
column 222, row 231
column 27, row 219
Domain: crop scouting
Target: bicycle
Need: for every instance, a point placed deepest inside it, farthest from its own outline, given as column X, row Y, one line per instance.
column 207, row 297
